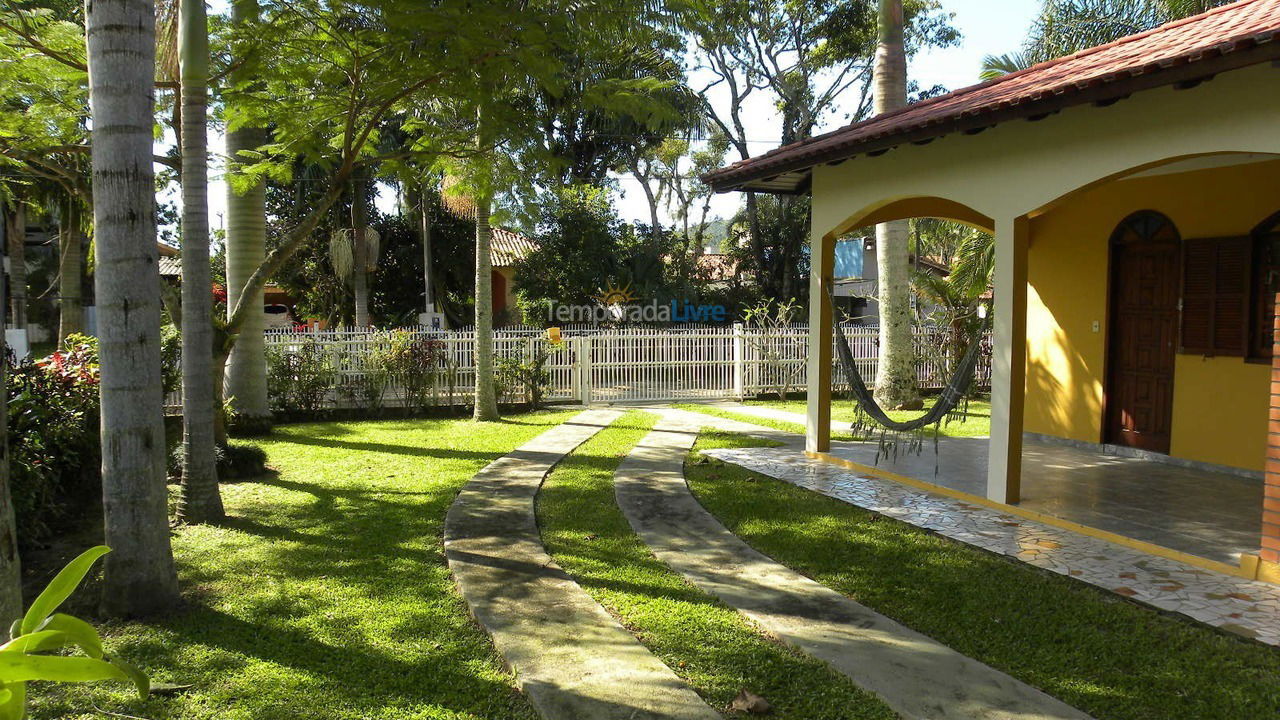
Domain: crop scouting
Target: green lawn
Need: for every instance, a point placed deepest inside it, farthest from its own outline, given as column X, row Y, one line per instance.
column 326, row 596
column 1092, row 649
column 977, row 422
column 708, row 644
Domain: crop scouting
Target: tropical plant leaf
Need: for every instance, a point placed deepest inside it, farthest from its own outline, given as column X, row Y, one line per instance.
column 134, row 675
column 78, row 633
column 65, row 583
column 17, row 667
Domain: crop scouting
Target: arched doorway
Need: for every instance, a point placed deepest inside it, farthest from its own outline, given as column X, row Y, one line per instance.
column 1145, row 266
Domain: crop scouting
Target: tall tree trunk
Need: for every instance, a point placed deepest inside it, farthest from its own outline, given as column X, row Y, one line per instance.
column 139, row 576
column 424, row 212
column 246, row 368
column 16, row 234
column 200, row 500
column 486, row 407
column 896, row 377
column 10, row 564
column 360, row 248
column 70, row 272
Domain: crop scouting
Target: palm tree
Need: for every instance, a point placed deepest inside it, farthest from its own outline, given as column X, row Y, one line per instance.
column 10, row 564
column 246, row 367
column 200, row 500
column 896, row 377
column 1069, row 26
column 70, row 269
column 486, row 407
column 139, row 576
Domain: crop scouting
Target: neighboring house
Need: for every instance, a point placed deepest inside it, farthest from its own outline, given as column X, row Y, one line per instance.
column 1134, row 193
column 506, row 250
column 277, row 303
column 857, row 278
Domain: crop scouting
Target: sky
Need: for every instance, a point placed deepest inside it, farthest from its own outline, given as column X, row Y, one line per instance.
column 988, row 27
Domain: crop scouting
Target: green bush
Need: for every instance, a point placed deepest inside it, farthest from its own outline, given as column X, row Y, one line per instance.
column 411, row 363
column 299, row 377
column 525, row 378
column 53, row 437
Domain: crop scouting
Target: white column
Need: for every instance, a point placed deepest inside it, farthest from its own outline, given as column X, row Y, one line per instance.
column 1008, row 361
column 818, row 418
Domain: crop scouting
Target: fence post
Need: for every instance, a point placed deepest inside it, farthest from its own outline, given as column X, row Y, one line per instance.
column 584, row 369
column 739, row 362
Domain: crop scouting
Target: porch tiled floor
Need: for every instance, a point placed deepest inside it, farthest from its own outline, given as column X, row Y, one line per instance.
column 1248, row 608
column 1209, row 514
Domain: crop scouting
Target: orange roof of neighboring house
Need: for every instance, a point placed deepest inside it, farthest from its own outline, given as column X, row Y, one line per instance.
column 718, row 267
column 1184, row 52
column 509, row 247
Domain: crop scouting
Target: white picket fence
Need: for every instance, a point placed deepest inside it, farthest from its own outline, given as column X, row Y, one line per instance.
column 629, row 365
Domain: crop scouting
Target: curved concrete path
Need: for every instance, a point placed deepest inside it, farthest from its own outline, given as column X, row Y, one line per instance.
column 572, row 658
column 916, row 676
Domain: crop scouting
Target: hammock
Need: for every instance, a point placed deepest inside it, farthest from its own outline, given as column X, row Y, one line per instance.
column 872, row 421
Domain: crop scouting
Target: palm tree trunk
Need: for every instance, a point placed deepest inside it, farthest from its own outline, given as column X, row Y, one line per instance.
column 360, row 248
column 10, row 564
column 246, row 368
column 139, row 576
column 895, row 379
column 200, row 501
column 424, row 210
column 70, row 273
column 16, row 233
column 486, row 407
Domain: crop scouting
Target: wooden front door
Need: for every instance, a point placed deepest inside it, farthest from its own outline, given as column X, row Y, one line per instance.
column 1145, row 279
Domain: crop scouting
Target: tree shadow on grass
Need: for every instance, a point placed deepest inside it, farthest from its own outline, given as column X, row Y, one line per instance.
column 377, row 447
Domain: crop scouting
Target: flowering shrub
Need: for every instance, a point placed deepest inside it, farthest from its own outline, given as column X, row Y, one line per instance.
column 53, row 436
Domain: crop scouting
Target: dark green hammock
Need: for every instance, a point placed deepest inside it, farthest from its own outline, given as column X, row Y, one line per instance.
column 872, row 421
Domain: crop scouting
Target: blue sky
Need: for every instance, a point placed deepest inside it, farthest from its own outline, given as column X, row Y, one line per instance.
column 987, row 26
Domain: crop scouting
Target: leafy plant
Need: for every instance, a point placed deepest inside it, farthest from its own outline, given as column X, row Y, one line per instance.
column 53, row 435
column 43, row 630
column 300, row 376
column 525, row 379
column 412, row 363
column 773, row 323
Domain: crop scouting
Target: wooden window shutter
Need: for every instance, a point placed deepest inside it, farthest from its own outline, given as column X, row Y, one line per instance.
column 1262, row 323
column 1216, row 277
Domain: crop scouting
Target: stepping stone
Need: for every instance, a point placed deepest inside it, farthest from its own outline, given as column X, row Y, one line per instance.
column 913, row 674
column 573, row 660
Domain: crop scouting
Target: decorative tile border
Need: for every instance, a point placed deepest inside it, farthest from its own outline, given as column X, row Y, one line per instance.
column 1243, row 607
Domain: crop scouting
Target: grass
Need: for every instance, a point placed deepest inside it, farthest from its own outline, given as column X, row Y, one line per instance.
column 326, row 594
column 1102, row 654
column 715, row 650
column 976, row 424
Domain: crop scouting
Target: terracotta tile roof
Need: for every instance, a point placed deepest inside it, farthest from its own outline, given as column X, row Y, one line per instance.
column 1186, row 51
column 509, row 247
column 170, row 266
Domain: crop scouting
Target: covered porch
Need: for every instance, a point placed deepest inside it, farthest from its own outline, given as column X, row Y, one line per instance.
column 1133, row 191
column 1205, row 513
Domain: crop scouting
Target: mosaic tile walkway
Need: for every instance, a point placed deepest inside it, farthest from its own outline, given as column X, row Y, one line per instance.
column 1244, row 607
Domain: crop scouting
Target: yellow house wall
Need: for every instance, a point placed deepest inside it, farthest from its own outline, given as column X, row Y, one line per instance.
column 1220, row 405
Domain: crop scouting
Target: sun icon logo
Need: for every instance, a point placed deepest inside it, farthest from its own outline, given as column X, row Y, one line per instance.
column 614, row 295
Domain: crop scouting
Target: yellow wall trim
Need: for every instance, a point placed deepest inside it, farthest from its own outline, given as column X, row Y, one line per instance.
column 1250, row 566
